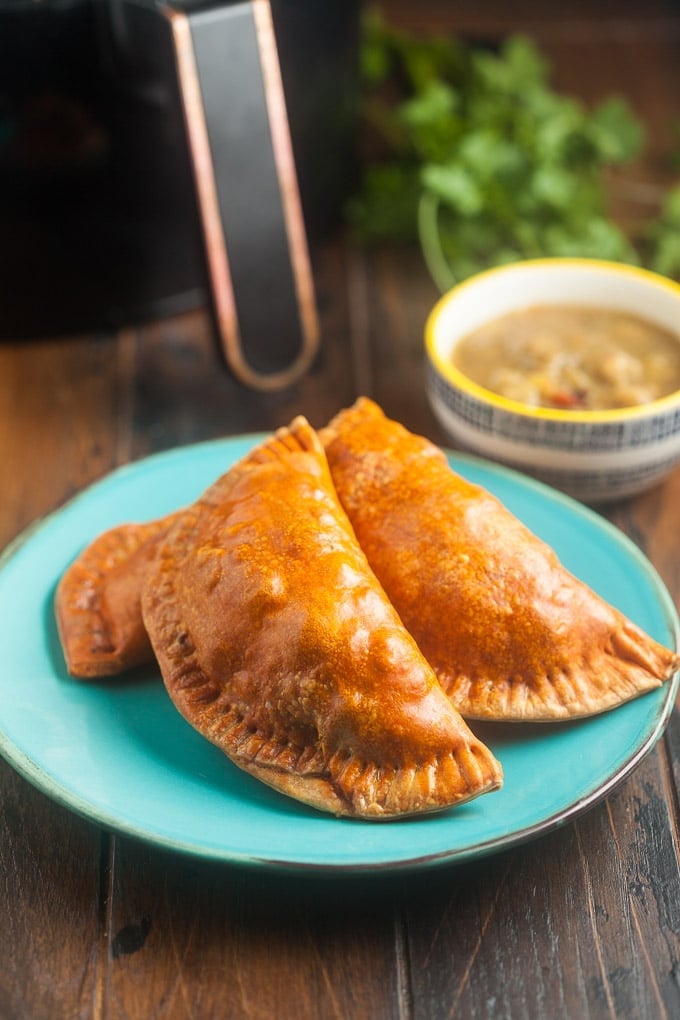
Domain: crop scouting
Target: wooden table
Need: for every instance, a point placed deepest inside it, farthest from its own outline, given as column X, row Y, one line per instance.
column 583, row 922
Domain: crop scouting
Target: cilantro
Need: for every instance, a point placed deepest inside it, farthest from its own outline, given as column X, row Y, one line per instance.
column 484, row 162
column 663, row 236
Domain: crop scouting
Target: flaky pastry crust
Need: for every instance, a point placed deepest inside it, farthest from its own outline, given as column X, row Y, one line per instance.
column 276, row 642
column 97, row 602
column 510, row 633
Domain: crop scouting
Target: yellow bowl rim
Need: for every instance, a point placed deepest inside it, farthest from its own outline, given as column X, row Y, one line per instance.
column 456, row 378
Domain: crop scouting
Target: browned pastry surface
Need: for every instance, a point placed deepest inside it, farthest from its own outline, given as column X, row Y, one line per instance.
column 97, row 602
column 510, row 633
column 277, row 643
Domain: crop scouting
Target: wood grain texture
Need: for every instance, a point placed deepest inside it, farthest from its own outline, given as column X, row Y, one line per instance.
column 583, row 923
column 214, row 942
column 62, row 425
column 62, row 422
column 49, row 904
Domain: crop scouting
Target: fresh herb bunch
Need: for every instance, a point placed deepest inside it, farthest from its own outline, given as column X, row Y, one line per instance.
column 485, row 163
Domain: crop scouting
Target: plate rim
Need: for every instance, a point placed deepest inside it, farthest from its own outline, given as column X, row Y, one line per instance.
column 100, row 816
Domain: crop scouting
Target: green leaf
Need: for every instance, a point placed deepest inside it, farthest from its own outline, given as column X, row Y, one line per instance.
column 670, row 212
column 518, row 70
column 455, row 185
column 386, row 207
column 562, row 135
column 436, row 102
column 615, row 132
column 376, row 58
column 594, row 237
column 430, row 60
column 665, row 257
column 526, row 64
column 663, row 236
column 431, row 120
column 489, row 155
column 554, row 186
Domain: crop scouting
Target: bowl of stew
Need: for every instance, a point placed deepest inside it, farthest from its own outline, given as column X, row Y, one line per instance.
column 564, row 369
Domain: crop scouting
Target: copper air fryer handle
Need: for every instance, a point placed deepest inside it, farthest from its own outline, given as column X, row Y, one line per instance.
column 239, row 143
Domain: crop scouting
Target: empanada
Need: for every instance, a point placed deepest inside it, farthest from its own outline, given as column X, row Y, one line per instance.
column 510, row 633
column 277, row 643
column 97, row 605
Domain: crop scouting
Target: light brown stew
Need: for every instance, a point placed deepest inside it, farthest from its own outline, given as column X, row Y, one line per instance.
column 572, row 357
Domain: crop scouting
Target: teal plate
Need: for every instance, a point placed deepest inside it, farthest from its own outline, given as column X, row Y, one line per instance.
column 118, row 753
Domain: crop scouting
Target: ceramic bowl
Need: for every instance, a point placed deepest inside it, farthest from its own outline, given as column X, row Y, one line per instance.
column 595, row 456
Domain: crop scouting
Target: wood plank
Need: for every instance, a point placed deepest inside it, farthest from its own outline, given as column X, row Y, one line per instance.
column 49, row 904
column 485, row 941
column 583, row 922
column 580, row 17
column 60, row 428
column 651, row 522
column 644, row 840
column 221, row 942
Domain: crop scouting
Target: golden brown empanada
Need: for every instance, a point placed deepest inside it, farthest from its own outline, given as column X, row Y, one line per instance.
column 277, row 643
column 97, row 602
column 510, row 633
